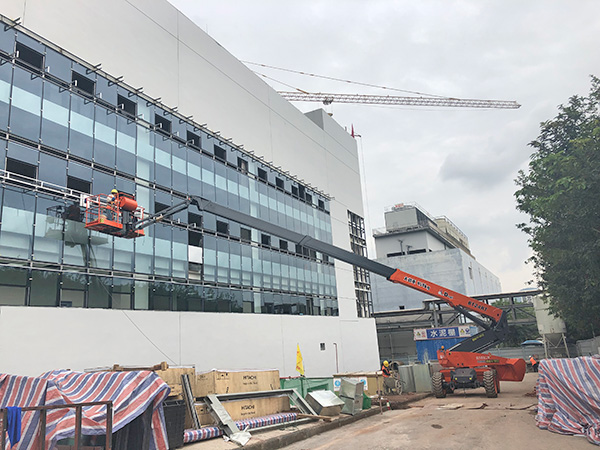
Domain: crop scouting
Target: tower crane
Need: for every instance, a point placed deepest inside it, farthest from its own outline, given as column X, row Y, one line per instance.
column 327, row 99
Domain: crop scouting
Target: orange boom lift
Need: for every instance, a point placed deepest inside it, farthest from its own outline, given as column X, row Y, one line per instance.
column 464, row 365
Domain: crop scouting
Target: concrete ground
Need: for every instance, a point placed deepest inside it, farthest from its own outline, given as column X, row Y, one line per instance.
column 463, row 420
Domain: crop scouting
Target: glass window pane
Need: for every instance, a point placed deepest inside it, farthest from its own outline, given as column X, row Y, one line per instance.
column 58, row 65
column 145, row 154
column 81, row 130
column 72, row 299
column 5, row 83
column 123, row 257
column 17, row 224
column 141, row 295
column 99, row 292
column 55, row 117
column 12, row 285
column 43, row 288
column 49, row 224
column 105, row 130
column 161, row 297
column 121, row 293
column 26, row 105
column 76, row 243
column 12, row 295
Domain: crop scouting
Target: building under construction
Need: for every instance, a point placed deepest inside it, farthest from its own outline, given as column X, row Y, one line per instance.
column 154, row 107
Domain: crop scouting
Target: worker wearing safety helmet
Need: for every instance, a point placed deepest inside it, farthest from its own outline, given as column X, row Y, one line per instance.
column 112, row 196
column 385, row 368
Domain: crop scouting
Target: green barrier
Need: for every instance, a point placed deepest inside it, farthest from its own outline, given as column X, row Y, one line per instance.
column 366, row 402
column 305, row 385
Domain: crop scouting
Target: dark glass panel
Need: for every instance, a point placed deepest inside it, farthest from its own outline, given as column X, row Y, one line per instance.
column 78, row 171
column 82, row 83
column 102, row 183
column 12, row 285
column 161, row 297
column 7, row 39
column 58, row 65
column 121, row 293
column 106, row 90
column 99, row 294
column 29, row 56
column 52, row 169
column 44, row 288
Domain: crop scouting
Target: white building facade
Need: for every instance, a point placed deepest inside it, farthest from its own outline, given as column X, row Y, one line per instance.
column 431, row 248
column 133, row 95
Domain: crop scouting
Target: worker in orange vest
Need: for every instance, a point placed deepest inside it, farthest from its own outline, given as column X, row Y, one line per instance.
column 534, row 363
column 385, row 369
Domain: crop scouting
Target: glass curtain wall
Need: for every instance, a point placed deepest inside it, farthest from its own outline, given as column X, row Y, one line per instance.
column 67, row 131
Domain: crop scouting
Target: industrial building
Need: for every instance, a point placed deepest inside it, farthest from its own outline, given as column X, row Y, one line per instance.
column 429, row 247
column 132, row 95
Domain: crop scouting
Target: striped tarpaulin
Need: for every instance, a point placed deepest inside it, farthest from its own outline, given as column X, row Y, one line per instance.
column 131, row 393
column 569, row 396
column 212, row 432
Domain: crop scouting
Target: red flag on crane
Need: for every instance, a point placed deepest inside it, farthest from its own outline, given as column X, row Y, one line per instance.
column 352, row 132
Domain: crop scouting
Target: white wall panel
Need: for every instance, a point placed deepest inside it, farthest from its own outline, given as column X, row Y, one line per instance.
column 35, row 340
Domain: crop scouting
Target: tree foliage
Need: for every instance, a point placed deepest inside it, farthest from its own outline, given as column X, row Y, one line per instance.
column 561, row 194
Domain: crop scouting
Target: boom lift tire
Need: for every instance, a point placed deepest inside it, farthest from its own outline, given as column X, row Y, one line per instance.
column 489, row 382
column 437, row 383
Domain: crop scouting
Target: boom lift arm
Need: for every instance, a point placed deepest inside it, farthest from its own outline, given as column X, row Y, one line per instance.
column 495, row 328
column 464, row 358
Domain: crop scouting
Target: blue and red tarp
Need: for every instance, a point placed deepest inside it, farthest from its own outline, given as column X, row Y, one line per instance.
column 568, row 393
column 256, row 422
column 131, row 393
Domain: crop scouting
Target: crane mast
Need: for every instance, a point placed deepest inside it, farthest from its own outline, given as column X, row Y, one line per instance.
column 327, row 99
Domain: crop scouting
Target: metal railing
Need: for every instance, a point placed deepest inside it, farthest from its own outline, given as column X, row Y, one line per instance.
column 78, row 415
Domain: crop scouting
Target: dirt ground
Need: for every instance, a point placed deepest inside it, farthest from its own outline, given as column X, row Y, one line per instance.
column 464, row 420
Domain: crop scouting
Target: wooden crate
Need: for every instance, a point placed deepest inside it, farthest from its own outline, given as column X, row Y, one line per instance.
column 203, row 415
column 224, row 382
column 257, row 407
column 242, row 409
column 172, row 376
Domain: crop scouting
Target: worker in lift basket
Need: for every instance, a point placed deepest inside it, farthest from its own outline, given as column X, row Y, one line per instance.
column 385, row 369
column 111, row 199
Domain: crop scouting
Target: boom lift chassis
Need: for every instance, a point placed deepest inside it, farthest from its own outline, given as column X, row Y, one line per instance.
column 463, row 366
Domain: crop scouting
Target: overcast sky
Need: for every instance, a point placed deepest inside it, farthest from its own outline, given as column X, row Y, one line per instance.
column 455, row 162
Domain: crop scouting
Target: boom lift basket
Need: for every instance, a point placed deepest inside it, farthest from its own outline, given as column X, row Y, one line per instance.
column 113, row 215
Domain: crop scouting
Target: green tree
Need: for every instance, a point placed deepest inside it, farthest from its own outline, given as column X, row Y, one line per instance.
column 561, row 194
